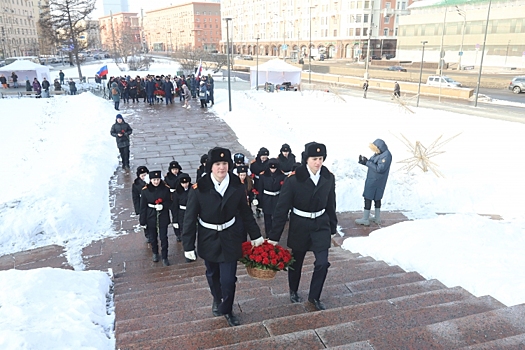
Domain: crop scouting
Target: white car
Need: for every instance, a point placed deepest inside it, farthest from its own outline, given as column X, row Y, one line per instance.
column 443, row 80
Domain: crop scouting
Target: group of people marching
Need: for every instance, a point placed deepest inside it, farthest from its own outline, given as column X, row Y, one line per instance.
column 213, row 216
column 161, row 89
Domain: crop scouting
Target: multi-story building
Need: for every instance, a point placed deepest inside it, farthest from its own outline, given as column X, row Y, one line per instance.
column 90, row 38
column 114, row 6
column 191, row 25
column 121, row 32
column 340, row 29
column 18, row 28
column 461, row 41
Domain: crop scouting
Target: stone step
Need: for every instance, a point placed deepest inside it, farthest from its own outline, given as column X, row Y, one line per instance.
column 352, row 313
column 397, row 322
column 299, row 340
column 460, row 331
column 207, row 324
column 516, row 342
column 130, row 290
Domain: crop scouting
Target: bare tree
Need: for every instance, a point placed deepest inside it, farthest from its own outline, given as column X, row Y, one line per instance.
column 189, row 59
column 66, row 20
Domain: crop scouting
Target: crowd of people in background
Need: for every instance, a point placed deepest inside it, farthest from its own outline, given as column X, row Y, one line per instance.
column 160, row 89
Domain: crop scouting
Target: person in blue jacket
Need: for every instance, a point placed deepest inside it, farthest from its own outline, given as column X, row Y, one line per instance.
column 376, row 178
column 203, row 94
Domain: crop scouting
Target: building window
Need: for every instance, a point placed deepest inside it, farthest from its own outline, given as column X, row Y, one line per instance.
column 387, row 20
column 388, row 5
column 335, row 32
column 358, row 18
column 365, row 18
column 385, row 31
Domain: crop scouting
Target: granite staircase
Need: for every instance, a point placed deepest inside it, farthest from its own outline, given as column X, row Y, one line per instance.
column 370, row 305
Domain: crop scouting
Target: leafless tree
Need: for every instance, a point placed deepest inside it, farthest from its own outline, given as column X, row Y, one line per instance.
column 122, row 41
column 66, row 21
column 189, row 59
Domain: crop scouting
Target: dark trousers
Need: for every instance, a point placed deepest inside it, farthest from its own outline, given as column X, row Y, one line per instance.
column 203, row 103
column 117, row 104
column 368, row 204
column 124, row 154
column 151, row 99
column 321, row 266
column 267, row 223
column 221, row 279
column 154, row 237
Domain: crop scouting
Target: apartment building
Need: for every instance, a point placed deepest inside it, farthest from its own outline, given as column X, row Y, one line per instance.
column 191, row 25
column 457, row 29
column 339, row 29
column 18, row 28
column 121, row 32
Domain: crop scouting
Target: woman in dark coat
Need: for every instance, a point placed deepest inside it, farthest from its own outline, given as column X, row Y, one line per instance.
column 168, row 91
column 376, row 177
column 136, row 190
column 133, row 90
column 257, row 167
column 37, row 87
column 269, row 188
column 172, row 180
column 155, row 203
column 286, row 159
column 203, row 94
column 180, row 199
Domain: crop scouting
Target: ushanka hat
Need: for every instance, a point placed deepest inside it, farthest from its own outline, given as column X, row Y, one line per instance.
column 184, row 178
column 242, row 169
column 314, row 149
column 238, row 158
column 263, row 151
column 204, row 158
column 218, row 154
column 175, row 165
column 142, row 170
column 273, row 163
column 155, row 174
column 285, row 148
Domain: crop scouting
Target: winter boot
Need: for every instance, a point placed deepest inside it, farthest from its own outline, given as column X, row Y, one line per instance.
column 377, row 216
column 258, row 213
column 364, row 221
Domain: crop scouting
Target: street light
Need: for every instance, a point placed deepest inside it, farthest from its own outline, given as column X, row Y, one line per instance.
column 420, row 72
column 257, row 76
column 310, row 48
column 228, row 60
column 482, row 54
column 464, row 15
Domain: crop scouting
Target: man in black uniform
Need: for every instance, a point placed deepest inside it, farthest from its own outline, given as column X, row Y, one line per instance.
column 121, row 132
column 309, row 195
column 258, row 166
column 216, row 203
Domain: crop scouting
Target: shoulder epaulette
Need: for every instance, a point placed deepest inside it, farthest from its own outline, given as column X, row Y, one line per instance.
column 168, row 186
column 145, row 187
column 261, row 173
column 194, row 186
column 253, row 161
column 291, row 174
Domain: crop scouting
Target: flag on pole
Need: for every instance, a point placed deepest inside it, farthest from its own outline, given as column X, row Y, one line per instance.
column 103, row 71
column 199, row 70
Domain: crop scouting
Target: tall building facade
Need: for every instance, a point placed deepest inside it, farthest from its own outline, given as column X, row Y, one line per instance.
column 120, row 33
column 114, row 6
column 18, row 28
column 339, row 29
column 458, row 30
column 191, row 25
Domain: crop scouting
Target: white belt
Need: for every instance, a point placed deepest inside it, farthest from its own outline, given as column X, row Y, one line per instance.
column 256, row 176
column 287, row 173
column 152, row 205
column 182, row 207
column 271, row 193
column 217, row 227
column 306, row 214
column 172, row 190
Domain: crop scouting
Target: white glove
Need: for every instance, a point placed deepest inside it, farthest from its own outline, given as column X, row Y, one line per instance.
column 255, row 202
column 175, row 225
column 144, row 226
column 159, row 207
column 190, row 255
column 258, row 241
column 272, row 242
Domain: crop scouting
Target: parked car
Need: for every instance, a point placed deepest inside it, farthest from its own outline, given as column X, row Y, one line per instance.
column 247, row 57
column 445, row 81
column 97, row 56
column 375, row 57
column 517, row 84
column 388, row 56
column 396, row 69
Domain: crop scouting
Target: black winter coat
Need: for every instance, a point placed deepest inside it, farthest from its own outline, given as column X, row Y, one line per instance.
column 136, row 190
column 257, row 167
column 201, row 171
column 286, row 164
column 300, row 192
column 207, row 204
column 171, row 180
column 271, row 183
column 149, row 194
column 180, row 200
column 117, row 128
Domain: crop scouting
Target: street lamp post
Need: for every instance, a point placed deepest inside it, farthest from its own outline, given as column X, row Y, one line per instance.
column 482, row 54
column 257, row 60
column 310, row 48
column 464, row 15
column 420, row 71
column 367, row 63
column 228, row 60
column 507, row 53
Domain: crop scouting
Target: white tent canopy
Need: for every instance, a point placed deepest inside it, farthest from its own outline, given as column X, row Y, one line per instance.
column 25, row 70
column 276, row 72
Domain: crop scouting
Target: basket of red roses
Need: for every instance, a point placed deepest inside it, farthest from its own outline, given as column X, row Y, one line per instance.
column 263, row 262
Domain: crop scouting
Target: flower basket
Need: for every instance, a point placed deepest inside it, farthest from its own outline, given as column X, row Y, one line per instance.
column 263, row 262
column 261, row 274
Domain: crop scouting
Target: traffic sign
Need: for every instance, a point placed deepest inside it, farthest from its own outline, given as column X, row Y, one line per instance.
column 284, row 47
column 460, row 53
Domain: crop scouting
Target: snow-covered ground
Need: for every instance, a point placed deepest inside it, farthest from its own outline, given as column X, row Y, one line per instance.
column 62, row 157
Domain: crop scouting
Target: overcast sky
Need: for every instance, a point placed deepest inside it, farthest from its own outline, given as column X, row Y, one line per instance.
column 136, row 5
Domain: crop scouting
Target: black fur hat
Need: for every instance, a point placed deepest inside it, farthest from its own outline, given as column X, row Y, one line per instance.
column 285, row 148
column 175, row 165
column 184, row 178
column 263, row 151
column 273, row 163
column 242, row 169
column 204, row 158
column 314, row 149
column 238, row 158
column 156, row 174
column 218, row 154
column 142, row 170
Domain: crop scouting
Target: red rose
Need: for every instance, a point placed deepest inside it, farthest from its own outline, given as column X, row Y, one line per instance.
column 281, row 183
column 158, row 201
column 266, row 261
column 122, row 131
column 280, row 266
column 273, row 261
column 258, row 258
